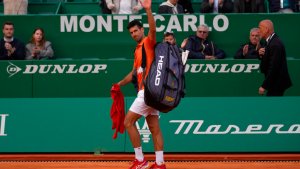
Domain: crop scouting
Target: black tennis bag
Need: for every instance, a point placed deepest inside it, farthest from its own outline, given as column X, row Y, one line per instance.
column 165, row 84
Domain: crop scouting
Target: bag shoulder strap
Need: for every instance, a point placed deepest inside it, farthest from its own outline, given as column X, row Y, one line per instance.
column 144, row 63
column 144, row 56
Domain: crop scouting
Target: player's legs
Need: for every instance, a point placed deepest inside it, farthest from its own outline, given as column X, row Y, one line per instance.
column 132, row 131
column 153, row 124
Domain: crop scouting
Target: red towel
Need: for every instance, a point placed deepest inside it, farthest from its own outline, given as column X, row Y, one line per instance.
column 117, row 111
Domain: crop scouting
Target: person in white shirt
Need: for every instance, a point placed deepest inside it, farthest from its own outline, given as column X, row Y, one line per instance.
column 124, row 6
column 15, row 7
column 170, row 7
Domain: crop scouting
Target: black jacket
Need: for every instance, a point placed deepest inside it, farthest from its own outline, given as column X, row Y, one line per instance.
column 256, row 6
column 274, row 66
column 226, row 8
column 19, row 53
column 187, row 6
column 252, row 52
column 199, row 48
column 274, row 5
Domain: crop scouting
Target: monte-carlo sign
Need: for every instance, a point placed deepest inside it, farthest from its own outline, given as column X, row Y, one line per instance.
column 106, row 23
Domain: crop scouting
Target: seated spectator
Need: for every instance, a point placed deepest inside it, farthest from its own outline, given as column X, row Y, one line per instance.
column 10, row 47
column 201, row 48
column 170, row 7
column 169, row 37
column 38, row 48
column 283, row 6
column 249, row 6
column 250, row 49
column 124, row 6
column 187, row 6
column 217, row 6
column 15, row 7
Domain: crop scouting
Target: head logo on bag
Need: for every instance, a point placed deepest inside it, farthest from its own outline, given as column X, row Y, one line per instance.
column 159, row 68
column 167, row 73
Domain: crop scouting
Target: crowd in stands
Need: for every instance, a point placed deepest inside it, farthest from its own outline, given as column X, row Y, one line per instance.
column 207, row 6
column 12, row 48
column 198, row 45
column 179, row 6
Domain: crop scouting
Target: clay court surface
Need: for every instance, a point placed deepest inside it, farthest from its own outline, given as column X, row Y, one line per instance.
column 173, row 161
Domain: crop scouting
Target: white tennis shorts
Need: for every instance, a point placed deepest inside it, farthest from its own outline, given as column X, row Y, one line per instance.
column 139, row 106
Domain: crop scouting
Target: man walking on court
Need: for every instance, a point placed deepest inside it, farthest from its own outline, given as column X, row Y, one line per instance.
column 273, row 62
column 138, row 107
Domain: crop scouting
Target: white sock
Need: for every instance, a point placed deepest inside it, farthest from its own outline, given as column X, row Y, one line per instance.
column 159, row 157
column 139, row 154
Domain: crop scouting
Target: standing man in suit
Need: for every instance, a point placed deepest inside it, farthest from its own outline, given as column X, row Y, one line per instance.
column 273, row 62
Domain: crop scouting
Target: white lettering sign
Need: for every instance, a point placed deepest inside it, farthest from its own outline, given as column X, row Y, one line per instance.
column 2, row 124
column 57, row 69
column 194, row 126
column 221, row 68
column 186, row 23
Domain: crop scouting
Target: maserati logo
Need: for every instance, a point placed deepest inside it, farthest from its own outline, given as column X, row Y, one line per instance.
column 144, row 131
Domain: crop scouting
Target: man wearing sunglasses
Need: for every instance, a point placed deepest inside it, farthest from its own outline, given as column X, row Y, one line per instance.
column 201, row 48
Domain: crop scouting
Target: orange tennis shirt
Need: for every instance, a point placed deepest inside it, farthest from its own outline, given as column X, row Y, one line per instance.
column 149, row 48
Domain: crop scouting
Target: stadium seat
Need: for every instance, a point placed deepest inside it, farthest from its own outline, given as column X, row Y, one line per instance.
column 43, row 8
column 80, row 8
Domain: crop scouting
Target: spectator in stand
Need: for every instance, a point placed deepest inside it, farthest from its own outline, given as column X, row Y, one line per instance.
column 169, row 37
column 124, row 6
column 10, row 47
column 283, row 6
column 38, row 48
column 249, row 6
column 201, row 48
column 187, row 6
column 250, row 50
column 217, row 6
column 170, row 7
column 15, row 7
